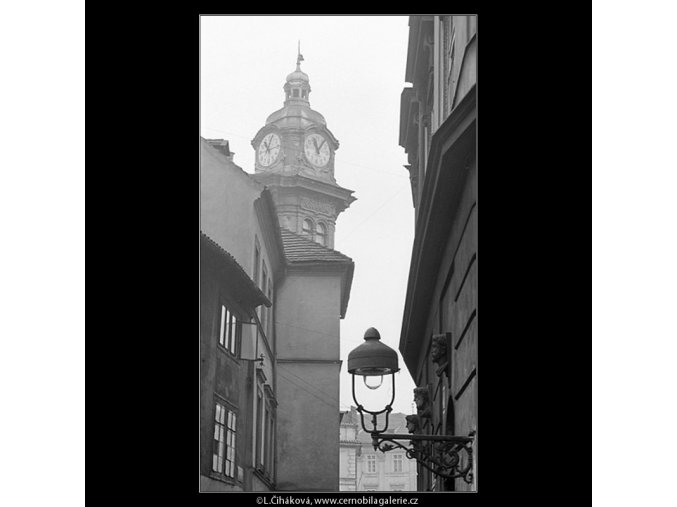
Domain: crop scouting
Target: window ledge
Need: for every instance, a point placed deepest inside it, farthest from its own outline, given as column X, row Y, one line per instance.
column 222, row 478
column 227, row 352
column 261, row 474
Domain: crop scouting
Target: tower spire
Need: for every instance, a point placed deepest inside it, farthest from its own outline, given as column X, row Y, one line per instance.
column 299, row 57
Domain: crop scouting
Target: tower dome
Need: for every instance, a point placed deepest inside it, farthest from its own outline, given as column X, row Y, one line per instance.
column 298, row 75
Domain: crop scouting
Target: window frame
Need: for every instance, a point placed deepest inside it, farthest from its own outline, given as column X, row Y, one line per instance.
column 218, row 444
column 264, row 289
column 264, row 431
column 231, row 432
column 398, row 458
column 323, row 234
column 257, row 260
column 370, row 460
column 311, row 231
column 225, row 422
column 229, row 330
column 268, row 330
column 260, row 428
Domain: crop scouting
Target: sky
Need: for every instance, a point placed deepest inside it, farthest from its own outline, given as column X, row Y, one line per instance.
column 356, row 67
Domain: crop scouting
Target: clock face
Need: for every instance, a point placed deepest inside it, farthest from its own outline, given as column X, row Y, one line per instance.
column 269, row 149
column 317, row 150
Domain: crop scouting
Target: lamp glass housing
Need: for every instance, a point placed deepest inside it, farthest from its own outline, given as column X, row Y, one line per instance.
column 372, row 382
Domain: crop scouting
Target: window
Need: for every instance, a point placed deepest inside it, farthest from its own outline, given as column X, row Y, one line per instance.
column 304, row 94
column 223, row 332
column 263, row 431
column 260, row 428
column 219, row 439
column 322, row 234
column 449, row 86
column 296, row 93
column 230, row 444
column 225, row 424
column 270, row 437
column 257, row 260
column 307, row 228
column 270, row 310
column 397, row 462
column 371, row 463
column 264, row 289
column 229, row 331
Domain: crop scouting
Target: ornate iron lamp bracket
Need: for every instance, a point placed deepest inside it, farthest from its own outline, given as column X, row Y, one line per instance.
column 440, row 454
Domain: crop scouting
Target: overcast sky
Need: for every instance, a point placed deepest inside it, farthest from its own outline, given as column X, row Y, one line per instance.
column 356, row 69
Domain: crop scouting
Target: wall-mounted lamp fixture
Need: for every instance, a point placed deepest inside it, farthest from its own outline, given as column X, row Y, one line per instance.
column 438, row 453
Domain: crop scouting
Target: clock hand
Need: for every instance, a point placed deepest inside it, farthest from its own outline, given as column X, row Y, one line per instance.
column 323, row 141
column 317, row 150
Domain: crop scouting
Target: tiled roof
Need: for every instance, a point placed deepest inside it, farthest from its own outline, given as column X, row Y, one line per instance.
column 238, row 277
column 300, row 249
column 349, row 416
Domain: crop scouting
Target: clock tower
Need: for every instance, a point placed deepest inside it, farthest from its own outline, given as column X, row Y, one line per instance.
column 295, row 153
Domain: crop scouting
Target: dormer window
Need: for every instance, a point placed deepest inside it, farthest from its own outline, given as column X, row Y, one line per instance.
column 321, row 235
column 307, row 228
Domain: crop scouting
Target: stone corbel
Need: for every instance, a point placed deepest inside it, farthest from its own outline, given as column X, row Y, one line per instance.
column 414, row 427
column 422, row 400
column 439, row 353
column 413, row 424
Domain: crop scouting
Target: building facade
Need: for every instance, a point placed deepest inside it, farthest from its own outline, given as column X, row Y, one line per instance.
column 237, row 359
column 363, row 468
column 350, row 450
column 438, row 342
column 295, row 160
column 276, row 229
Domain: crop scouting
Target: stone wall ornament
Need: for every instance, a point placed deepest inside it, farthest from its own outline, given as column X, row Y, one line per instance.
column 414, row 427
column 413, row 424
column 422, row 400
column 439, row 352
column 317, row 206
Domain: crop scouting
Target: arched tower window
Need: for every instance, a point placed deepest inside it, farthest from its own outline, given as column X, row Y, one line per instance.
column 307, row 228
column 321, row 234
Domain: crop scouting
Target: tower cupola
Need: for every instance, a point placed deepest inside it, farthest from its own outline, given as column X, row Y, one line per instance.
column 297, row 87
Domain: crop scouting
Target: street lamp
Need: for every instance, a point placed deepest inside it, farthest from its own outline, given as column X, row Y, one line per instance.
column 438, row 453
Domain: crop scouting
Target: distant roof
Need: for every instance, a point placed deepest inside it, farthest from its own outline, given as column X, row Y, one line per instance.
column 300, row 249
column 397, row 423
column 222, row 145
column 349, row 417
